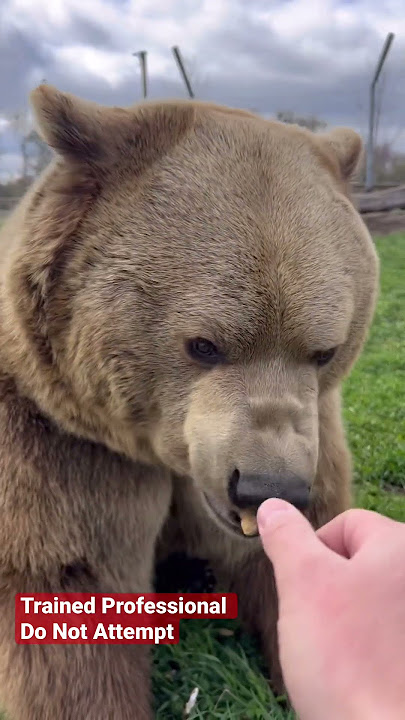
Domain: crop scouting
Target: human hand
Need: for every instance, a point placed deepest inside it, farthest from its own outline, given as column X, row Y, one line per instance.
column 341, row 622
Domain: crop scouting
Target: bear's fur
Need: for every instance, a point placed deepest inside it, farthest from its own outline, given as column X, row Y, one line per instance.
column 154, row 225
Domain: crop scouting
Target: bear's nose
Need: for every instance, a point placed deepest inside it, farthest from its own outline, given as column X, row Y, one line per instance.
column 249, row 491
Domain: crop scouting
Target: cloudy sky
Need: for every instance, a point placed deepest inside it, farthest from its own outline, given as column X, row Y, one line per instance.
column 310, row 56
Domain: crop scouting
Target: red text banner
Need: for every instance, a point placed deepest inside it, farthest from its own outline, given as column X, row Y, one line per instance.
column 117, row 618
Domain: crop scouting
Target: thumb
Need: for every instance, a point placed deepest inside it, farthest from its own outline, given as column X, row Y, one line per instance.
column 290, row 542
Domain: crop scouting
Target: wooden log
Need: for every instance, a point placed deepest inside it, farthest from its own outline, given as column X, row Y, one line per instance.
column 381, row 200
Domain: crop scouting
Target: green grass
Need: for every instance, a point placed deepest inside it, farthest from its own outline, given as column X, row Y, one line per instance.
column 227, row 669
column 374, row 404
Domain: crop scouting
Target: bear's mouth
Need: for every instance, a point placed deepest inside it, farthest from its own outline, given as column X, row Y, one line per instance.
column 224, row 516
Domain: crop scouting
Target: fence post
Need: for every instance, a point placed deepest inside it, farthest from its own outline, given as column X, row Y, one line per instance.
column 371, row 119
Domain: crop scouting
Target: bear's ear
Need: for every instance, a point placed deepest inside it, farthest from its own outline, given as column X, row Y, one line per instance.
column 89, row 133
column 346, row 145
column 73, row 127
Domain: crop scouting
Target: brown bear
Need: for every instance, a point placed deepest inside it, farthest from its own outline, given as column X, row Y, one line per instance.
column 182, row 292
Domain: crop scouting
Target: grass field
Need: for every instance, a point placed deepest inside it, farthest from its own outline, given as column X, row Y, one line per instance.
column 227, row 669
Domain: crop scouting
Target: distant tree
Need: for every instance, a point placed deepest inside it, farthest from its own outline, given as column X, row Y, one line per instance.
column 34, row 151
column 14, row 188
column 20, row 122
column 389, row 165
column 311, row 122
column 36, row 154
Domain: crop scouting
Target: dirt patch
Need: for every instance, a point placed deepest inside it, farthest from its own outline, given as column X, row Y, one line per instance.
column 395, row 489
column 384, row 223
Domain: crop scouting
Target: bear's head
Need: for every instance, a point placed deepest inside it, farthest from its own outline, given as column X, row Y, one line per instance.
column 187, row 283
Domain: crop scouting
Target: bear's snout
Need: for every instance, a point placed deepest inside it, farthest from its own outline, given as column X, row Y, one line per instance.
column 249, row 491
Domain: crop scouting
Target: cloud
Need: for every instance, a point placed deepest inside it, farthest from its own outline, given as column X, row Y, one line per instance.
column 312, row 57
column 10, row 166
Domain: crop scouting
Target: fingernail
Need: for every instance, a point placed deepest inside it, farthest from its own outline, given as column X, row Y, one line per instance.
column 271, row 509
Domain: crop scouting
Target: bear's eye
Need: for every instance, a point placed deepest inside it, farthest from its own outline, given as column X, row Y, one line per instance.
column 322, row 357
column 204, row 351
